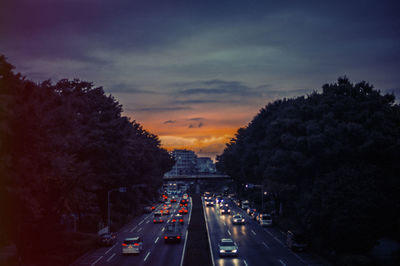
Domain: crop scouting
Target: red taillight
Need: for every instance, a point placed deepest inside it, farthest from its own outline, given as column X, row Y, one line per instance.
column 174, row 220
column 123, row 244
column 181, row 220
column 179, row 237
column 161, row 220
column 154, row 221
column 165, row 237
column 136, row 244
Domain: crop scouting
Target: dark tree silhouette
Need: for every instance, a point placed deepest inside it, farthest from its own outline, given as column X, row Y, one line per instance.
column 330, row 158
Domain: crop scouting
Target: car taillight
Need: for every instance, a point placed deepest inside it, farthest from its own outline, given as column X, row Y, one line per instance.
column 123, row 244
column 154, row 221
column 179, row 237
column 165, row 237
column 181, row 220
column 136, row 244
column 174, row 220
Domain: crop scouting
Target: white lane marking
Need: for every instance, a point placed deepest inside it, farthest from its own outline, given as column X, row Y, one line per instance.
column 245, row 263
column 141, row 222
column 111, row 257
column 139, row 229
column 265, row 245
column 147, row 222
column 283, row 264
column 156, row 239
column 224, row 223
column 191, row 206
column 96, row 261
column 110, row 249
column 208, row 234
column 229, row 233
column 133, row 229
column 297, row 256
column 254, row 233
column 280, row 242
column 163, row 229
column 184, row 248
column 145, row 258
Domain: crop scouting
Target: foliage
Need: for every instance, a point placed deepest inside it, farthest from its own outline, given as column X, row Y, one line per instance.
column 62, row 147
column 330, row 157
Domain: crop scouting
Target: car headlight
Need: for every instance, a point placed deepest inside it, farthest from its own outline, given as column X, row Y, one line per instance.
column 222, row 251
column 242, row 220
column 234, row 251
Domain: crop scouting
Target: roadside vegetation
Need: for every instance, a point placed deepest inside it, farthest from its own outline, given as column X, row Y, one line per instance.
column 63, row 146
column 330, row 163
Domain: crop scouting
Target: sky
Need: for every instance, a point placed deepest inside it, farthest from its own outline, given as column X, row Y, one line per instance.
column 193, row 72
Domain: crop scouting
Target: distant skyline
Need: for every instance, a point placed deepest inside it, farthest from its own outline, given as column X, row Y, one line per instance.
column 193, row 72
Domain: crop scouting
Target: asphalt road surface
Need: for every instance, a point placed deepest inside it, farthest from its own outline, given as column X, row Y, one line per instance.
column 257, row 245
column 155, row 250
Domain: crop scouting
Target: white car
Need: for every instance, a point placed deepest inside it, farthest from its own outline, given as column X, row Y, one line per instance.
column 238, row 219
column 226, row 247
column 132, row 245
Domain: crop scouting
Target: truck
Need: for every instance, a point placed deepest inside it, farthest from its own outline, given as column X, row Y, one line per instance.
column 245, row 204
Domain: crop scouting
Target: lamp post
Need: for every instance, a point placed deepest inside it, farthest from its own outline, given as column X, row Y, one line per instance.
column 120, row 189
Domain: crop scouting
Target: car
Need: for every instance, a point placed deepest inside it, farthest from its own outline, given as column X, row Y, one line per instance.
column 226, row 247
column 172, row 233
column 164, row 211
column 107, row 239
column 177, row 218
column 238, row 219
column 209, row 203
column 133, row 245
column 157, row 218
column 185, row 196
column 183, row 203
column 251, row 210
column 173, row 199
column 183, row 210
column 225, row 210
column 264, row 219
column 167, row 205
column 296, row 240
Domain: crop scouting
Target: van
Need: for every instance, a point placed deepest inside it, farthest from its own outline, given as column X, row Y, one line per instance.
column 245, row 204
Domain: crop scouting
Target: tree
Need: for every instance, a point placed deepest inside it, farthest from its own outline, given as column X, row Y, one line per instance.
column 331, row 158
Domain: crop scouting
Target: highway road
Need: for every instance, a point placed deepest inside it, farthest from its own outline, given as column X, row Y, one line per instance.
column 155, row 251
column 256, row 245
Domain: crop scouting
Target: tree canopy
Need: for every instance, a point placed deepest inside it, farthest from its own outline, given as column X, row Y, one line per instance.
column 62, row 147
column 331, row 158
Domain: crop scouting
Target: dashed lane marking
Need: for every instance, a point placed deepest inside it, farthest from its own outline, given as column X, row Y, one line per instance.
column 156, row 239
column 254, row 233
column 139, row 229
column 141, row 222
column 110, row 249
column 133, row 229
column 145, row 258
column 283, row 264
column 229, row 233
column 96, row 261
column 112, row 256
column 245, row 263
column 163, row 229
column 148, row 222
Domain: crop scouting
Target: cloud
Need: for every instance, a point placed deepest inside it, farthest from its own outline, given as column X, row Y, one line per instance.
column 199, row 125
column 158, row 109
column 195, row 118
column 169, row 122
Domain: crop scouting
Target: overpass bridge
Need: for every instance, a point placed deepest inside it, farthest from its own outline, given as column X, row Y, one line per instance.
column 210, row 177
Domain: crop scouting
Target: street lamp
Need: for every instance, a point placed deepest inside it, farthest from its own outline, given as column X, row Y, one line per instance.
column 120, row 189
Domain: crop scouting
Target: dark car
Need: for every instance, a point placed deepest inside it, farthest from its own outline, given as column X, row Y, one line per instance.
column 107, row 239
column 177, row 218
column 172, row 233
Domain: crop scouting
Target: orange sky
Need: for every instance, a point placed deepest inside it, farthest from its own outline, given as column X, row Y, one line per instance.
column 205, row 131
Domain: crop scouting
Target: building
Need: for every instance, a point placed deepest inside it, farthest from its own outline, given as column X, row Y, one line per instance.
column 205, row 165
column 187, row 163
